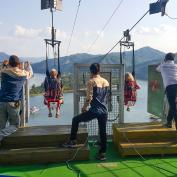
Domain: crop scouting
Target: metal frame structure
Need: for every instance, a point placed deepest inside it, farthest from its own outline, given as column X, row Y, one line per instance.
column 116, row 97
column 53, row 43
column 53, row 5
column 56, row 4
column 128, row 45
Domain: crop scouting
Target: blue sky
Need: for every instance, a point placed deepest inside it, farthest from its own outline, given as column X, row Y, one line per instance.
column 23, row 26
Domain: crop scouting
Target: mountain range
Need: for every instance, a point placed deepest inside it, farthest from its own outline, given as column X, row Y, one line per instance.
column 143, row 57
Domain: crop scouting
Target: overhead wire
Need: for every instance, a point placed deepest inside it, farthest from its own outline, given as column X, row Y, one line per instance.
column 172, row 18
column 102, row 57
column 123, row 36
column 105, row 25
column 74, row 24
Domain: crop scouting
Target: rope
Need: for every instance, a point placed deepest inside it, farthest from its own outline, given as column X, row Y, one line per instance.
column 74, row 157
column 150, row 165
column 74, row 24
column 106, row 24
column 54, row 49
column 47, row 67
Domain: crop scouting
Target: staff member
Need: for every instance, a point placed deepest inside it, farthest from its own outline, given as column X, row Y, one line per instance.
column 97, row 88
column 168, row 71
column 12, row 80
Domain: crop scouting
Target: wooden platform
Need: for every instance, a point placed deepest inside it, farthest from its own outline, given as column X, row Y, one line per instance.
column 41, row 144
column 42, row 136
column 146, row 138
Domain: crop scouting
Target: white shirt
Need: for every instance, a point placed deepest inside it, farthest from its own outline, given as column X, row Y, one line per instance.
column 168, row 70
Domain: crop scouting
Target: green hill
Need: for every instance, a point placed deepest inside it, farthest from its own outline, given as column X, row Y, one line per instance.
column 143, row 57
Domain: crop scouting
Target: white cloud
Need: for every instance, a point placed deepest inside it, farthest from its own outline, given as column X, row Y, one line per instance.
column 22, row 46
column 61, row 35
column 157, row 30
column 84, row 40
column 23, row 32
column 162, row 37
column 29, row 42
column 100, row 33
column 1, row 23
column 92, row 34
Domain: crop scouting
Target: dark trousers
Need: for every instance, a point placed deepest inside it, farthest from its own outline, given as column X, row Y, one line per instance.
column 87, row 116
column 171, row 92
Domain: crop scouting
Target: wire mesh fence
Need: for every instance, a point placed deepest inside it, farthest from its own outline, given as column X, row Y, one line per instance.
column 114, row 73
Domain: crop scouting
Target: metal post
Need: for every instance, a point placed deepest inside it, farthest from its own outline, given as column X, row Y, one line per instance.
column 59, row 72
column 122, row 74
column 53, row 29
column 23, row 107
column 47, row 66
column 27, row 101
column 133, row 61
column 75, row 86
column 120, row 53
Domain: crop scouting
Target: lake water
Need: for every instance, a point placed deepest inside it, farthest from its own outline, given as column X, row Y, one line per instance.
column 138, row 113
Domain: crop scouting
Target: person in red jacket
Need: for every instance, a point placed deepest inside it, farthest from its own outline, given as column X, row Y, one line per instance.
column 130, row 90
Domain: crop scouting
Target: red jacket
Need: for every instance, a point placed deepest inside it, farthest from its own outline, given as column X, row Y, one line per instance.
column 130, row 93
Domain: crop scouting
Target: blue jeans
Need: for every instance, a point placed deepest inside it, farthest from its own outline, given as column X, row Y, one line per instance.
column 9, row 112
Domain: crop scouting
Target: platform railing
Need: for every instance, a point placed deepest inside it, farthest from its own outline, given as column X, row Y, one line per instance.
column 114, row 73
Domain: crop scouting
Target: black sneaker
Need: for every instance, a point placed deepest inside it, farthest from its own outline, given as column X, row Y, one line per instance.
column 70, row 144
column 101, row 156
column 167, row 125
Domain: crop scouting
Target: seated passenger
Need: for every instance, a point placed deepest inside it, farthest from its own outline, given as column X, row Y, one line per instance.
column 130, row 90
column 53, row 92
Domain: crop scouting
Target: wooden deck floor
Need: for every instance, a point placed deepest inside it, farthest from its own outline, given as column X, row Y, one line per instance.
column 41, row 144
column 146, row 138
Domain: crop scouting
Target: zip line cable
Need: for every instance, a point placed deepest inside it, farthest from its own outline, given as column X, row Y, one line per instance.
column 123, row 36
column 105, row 25
column 74, row 24
column 102, row 57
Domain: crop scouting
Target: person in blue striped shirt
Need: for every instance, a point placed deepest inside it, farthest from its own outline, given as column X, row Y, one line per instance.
column 96, row 97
